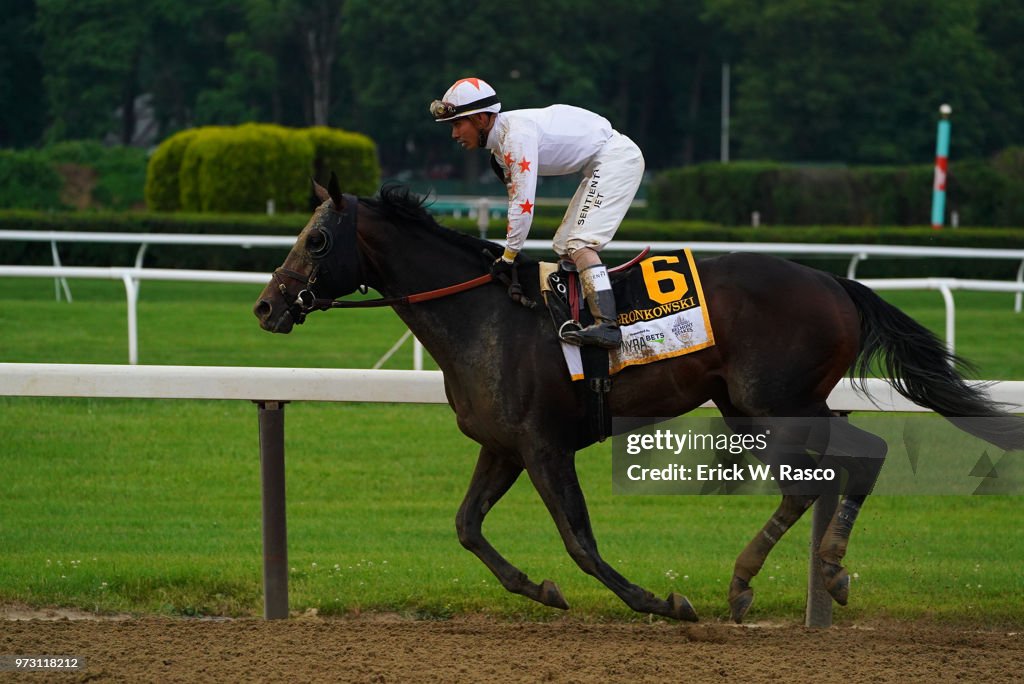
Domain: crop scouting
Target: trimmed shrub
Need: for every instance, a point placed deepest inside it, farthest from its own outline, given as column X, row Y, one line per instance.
column 28, row 181
column 352, row 156
column 238, row 169
column 809, row 195
column 976, row 191
column 725, row 194
column 196, row 151
column 1010, row 165
column 893, row 195
column 162, row 190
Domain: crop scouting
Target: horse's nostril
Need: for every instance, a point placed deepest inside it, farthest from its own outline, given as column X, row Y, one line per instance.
column 262, row 309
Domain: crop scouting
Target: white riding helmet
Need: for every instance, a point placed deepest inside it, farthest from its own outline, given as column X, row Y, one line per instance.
column 466, row 96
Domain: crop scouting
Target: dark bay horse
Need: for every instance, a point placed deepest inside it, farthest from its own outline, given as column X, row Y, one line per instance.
column 785, row 335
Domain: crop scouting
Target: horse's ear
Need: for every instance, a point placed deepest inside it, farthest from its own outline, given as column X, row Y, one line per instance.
column 334, row 190
column 320, row 191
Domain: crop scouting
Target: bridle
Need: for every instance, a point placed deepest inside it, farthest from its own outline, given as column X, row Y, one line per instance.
column 306, row 301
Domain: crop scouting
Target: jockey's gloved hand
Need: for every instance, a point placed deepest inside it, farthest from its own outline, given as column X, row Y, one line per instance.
column 503, row 265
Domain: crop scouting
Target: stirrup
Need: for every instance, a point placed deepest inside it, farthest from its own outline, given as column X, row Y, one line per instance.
column 603, row 334
column 574, row 327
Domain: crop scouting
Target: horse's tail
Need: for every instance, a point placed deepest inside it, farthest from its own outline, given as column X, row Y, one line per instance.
column 921, row 368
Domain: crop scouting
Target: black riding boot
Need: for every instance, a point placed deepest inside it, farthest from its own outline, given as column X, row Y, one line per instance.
column 604, row 332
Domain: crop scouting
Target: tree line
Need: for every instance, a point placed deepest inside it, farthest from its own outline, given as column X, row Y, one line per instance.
column 817, row 81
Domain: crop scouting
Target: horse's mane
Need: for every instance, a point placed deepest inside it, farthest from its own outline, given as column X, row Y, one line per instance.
column 399, row 205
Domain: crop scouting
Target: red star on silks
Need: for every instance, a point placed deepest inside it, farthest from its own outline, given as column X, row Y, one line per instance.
column 524, row 165
column 475, row 82
column 526, row 207
column 508, row 160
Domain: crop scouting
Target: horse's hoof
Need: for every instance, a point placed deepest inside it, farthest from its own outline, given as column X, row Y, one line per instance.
column 837, row 582
column 551, row 595
column 680, row 608
column 741, row 597
column 740, row 604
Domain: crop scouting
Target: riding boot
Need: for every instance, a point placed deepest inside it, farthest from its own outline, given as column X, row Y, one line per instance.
column 597, row 290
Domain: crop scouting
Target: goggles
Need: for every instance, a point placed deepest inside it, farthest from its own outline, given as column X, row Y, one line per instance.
column 441, row 110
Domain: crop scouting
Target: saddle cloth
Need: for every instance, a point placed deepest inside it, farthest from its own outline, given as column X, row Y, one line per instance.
column 661, row 310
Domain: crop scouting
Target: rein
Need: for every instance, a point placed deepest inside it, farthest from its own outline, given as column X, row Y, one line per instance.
column 306, row 300
column 325, row 304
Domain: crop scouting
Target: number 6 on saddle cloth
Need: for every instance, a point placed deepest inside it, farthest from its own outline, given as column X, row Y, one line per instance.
column 662, row 314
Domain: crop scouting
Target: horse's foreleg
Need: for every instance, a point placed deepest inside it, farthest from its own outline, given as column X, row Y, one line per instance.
column 750, row 561
column 554, row 476
column 491, row 479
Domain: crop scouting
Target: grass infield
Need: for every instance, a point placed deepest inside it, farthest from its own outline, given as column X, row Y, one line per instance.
column 153, row 506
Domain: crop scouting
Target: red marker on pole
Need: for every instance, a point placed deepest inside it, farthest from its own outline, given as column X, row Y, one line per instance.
column 941, row 168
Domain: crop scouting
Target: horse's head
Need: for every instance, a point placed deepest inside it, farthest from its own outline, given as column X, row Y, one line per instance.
column 323, row 263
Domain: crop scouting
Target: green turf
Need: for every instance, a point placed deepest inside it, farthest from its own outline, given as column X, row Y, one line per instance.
column 154, row 505
column 184, row 324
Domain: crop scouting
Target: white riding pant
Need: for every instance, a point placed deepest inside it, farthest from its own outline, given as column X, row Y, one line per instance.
column 609, row 184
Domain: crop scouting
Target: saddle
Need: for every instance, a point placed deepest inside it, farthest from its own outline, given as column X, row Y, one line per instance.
column 563, row 295
column 660, row 310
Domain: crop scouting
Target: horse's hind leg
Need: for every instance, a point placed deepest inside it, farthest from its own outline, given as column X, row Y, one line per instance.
column 832, row 549
column 491, row 479
column 845, row 448
column 554, row 476
column 752, row 558
column 860, row 454
column 750, row 561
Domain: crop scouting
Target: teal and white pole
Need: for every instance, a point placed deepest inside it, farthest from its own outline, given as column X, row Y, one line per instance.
column 941, row 168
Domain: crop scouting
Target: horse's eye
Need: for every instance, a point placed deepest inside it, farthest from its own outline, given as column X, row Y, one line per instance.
column 317, row 242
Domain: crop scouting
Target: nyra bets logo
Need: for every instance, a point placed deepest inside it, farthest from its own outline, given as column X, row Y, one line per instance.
column 642, row 341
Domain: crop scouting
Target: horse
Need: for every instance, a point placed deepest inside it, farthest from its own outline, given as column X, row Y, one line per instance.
column 785, row 334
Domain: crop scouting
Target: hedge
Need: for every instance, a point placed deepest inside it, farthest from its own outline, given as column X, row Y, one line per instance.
column 237, row 169
column 350, row 155
column 28, row 180
column 982, row 193
column 82, row 172
column 234, row 258
column 120, row 171
column 162, row 190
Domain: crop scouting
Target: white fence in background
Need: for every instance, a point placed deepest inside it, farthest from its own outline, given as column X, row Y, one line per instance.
column 857, row 253
column 131, row 277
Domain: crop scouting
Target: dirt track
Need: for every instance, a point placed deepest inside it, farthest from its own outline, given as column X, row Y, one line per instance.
column 474, row 649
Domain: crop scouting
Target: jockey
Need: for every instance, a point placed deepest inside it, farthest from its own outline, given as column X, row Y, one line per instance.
column 554, row 141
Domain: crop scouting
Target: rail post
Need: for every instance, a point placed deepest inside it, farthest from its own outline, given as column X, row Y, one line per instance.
column 275, row 529
column 818, row 612
column 131, row 293
column 483, row 216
